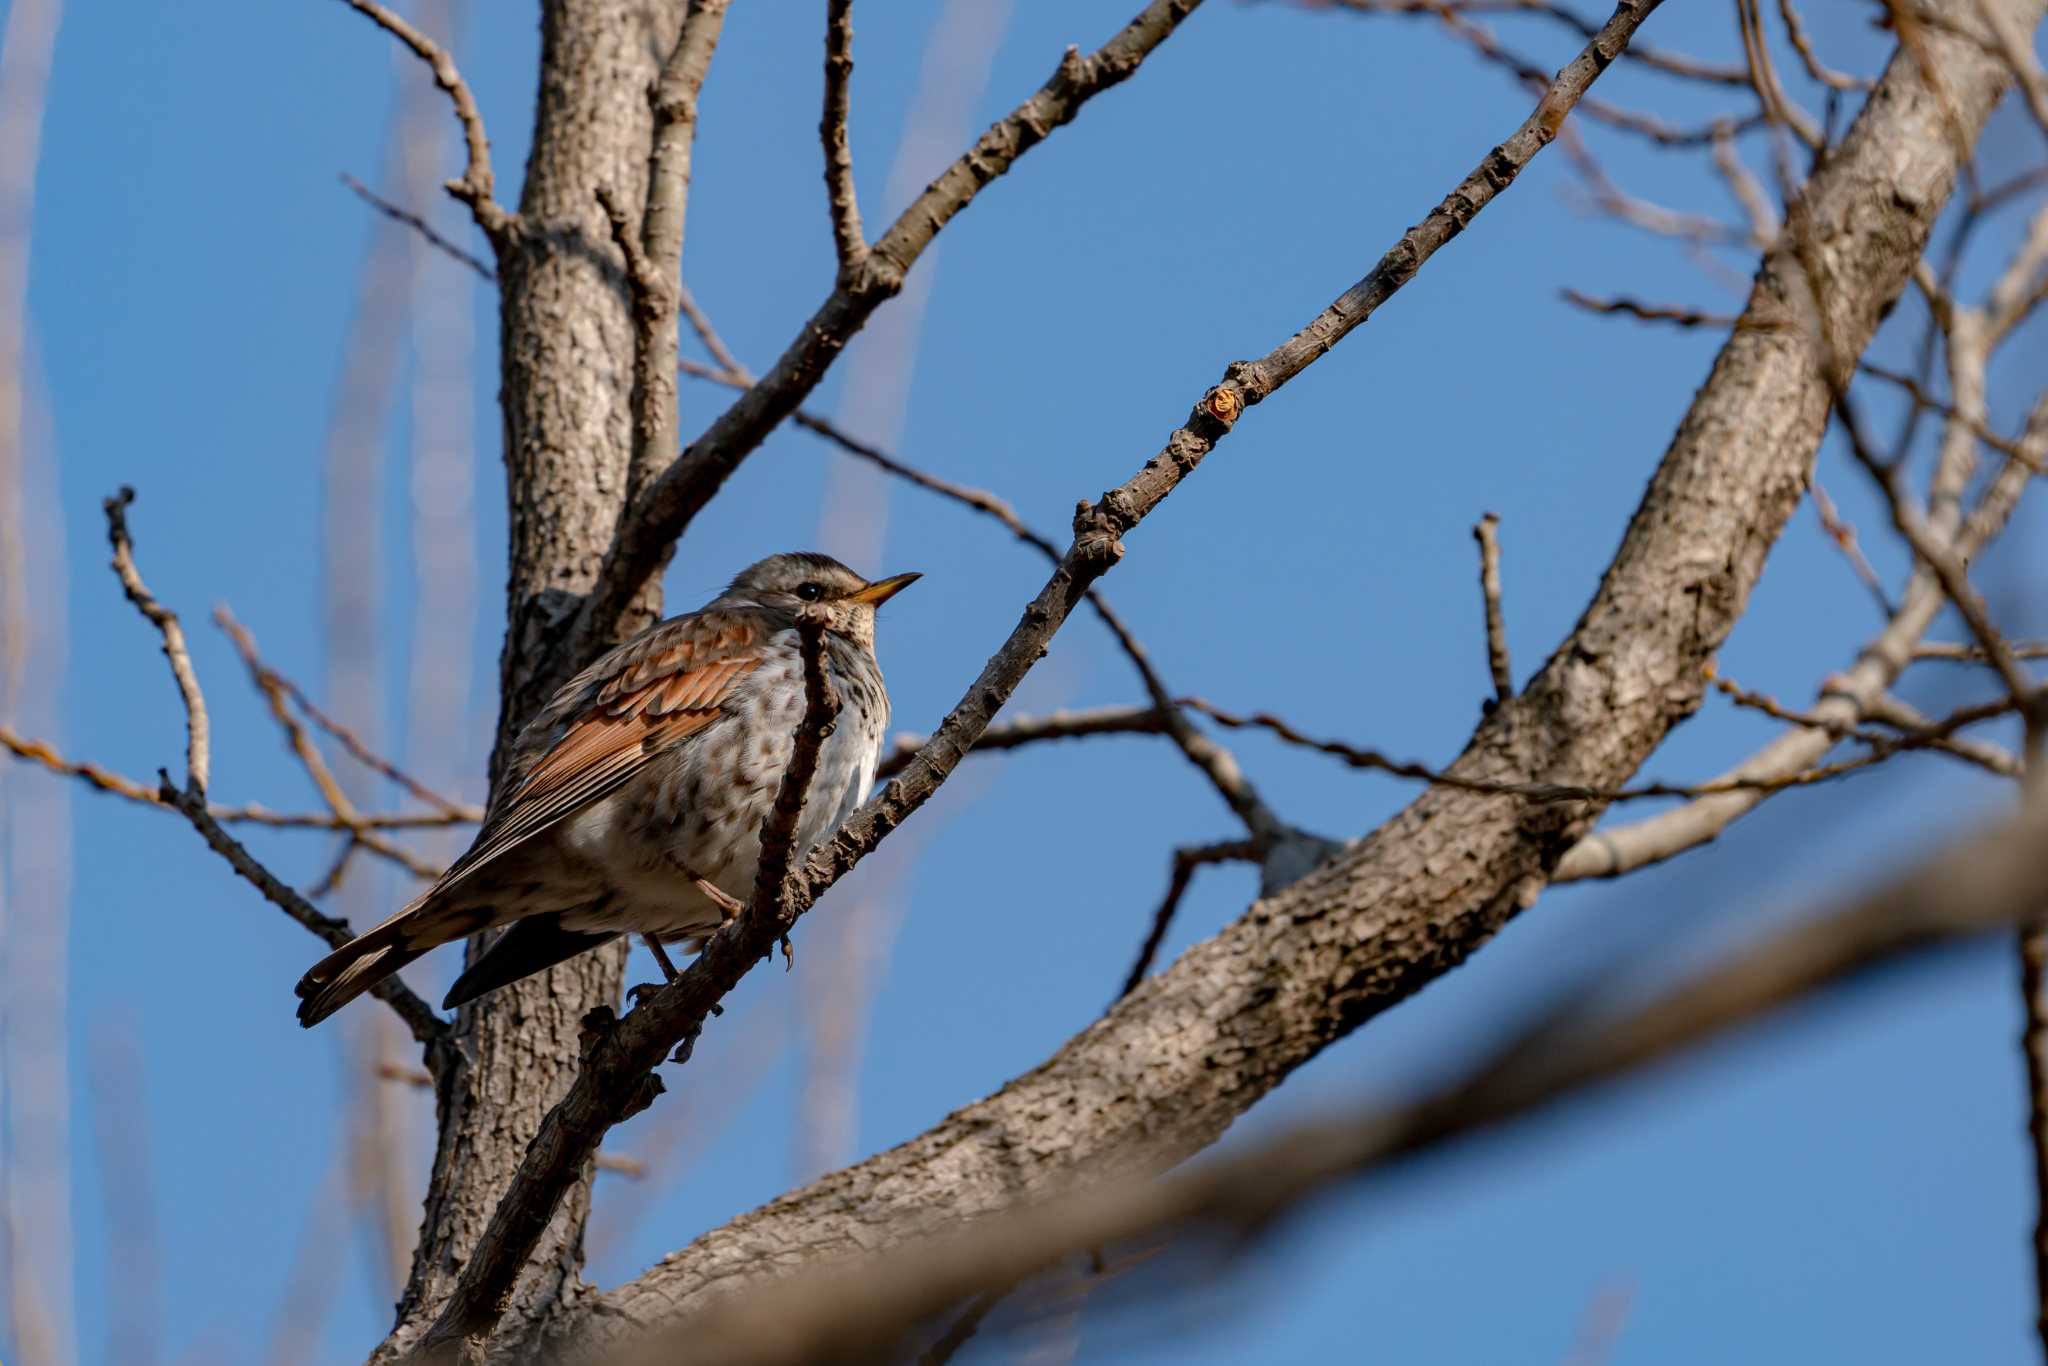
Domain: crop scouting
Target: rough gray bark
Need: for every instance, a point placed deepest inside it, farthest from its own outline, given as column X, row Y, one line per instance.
column 566, row 345
column 1169, row 1068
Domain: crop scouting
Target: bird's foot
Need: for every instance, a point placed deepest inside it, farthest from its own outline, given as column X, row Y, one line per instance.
column 636, row 994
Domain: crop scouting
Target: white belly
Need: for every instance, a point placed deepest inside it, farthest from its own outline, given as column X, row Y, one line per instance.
column 681, row 818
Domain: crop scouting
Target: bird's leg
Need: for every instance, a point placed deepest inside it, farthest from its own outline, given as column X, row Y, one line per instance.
column 654, row 947
column 729, row 907
column 668, row 970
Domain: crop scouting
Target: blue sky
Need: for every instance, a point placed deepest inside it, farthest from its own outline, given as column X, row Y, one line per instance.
column 1851, row 1184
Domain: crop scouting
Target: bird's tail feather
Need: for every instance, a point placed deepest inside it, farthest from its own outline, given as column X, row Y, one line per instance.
column 534, row 943
column 372, row 956
column 351, row 980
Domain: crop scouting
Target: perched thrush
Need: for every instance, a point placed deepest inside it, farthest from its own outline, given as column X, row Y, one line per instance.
column 634, row 801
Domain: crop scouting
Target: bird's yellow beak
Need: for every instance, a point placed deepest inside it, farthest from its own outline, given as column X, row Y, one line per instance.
column 881, row 590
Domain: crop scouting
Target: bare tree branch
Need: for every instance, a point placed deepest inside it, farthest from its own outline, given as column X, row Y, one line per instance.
column 839, row 188
column 859, row 1309
column 1815, row 67
column 308, row 754
column 421, row 226
column 1487, row 533
column 477, row 185
column 1028, row 730
column 1670, row 63
column 197, row 749
column 1453, row 17
column 2014, row 45
column 1185, row 861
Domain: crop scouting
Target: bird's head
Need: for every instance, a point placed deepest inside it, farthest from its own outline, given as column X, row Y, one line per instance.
column 802, row 579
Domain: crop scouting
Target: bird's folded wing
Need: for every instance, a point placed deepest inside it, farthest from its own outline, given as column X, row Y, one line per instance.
column 637, row 702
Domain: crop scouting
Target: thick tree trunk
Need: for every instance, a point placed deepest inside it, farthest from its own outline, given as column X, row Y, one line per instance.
column 566, row 353
column 1170, row 1068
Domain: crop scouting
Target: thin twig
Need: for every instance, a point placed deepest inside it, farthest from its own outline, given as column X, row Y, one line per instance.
column 477, row 185
column 840, row 193
column 2016, row 46
column 1487, row 533
column 1670, row 63
column 1747, row 190
column 421, row 226
column 1946, row 566
column 1182, row 872
column 1656, row 313
column 1534, row 74
column 311, row 760
column 1356, row 757
column 731, row 372
column 1900, row 715
column 1777, row 105
column 1617, row 203
column 1915, row 391
column 1844, row 536
column 1029, row 730
column 102, row 779
column 1810, row 59
column 427, row 1028
column 198, row 759
column 1954, row 652
column 1892, row 712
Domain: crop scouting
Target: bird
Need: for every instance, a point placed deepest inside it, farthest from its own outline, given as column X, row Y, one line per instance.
column 633, row 801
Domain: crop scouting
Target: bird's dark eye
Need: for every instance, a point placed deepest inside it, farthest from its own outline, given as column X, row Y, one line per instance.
column 811, row 592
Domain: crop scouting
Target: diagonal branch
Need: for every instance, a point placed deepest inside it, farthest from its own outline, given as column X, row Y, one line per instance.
column 276, row 694
column 1185, row 861
column 407, row 218
column 864, row 1308
column 477, row 186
